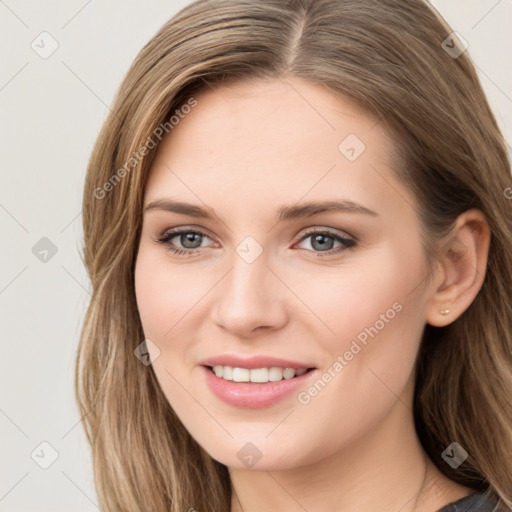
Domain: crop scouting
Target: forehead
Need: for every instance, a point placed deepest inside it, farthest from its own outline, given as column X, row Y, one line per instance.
column 242, row 114
column 280, row 139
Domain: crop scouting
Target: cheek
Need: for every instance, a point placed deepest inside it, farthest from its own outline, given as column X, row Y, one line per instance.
column 368, row 290
column 164, row 295
column 152, row 301
column 170, row 301
column 165, row 301
column 374, row 312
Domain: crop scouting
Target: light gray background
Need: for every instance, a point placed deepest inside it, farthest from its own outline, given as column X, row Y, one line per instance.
column 51, row 111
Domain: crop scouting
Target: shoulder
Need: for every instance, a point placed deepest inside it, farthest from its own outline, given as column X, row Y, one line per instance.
column 476, row 502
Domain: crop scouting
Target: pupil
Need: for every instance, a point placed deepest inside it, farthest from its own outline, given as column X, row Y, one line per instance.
column 321, row 240
column 187, row 240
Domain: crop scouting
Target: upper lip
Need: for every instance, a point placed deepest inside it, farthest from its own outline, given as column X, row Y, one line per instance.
column 253, row 362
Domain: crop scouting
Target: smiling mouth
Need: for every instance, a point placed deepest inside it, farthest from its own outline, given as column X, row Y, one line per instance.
column 257, row 375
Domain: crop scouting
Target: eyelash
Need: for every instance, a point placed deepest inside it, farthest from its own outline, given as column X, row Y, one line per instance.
column 167, row 236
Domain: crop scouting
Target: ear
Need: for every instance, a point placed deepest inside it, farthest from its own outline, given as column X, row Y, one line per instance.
column 461, row 268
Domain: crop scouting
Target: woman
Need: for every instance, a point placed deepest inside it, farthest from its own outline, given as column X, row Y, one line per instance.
column 298, row 233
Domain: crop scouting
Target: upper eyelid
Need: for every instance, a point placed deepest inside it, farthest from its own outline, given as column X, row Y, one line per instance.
column 172, row 232
column 329, row 231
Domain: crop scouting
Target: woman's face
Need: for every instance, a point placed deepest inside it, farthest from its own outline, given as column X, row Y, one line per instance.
column 342, row 290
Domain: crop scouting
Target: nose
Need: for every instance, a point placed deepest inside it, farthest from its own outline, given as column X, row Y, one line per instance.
column 250, row 299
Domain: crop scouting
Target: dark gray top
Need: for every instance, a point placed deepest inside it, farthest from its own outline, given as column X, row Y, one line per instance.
column 475, row 502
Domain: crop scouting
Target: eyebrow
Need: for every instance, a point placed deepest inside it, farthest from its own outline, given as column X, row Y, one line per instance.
column 287, row 212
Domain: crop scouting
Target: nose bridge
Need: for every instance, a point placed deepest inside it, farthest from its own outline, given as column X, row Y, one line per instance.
column 249, row 296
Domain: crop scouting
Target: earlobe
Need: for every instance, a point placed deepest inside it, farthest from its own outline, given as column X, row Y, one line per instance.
column 464, row 262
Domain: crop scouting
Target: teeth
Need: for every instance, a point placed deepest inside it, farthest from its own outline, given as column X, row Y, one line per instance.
column 288, row 373
column 275, row 374
column 227, row 372
column 272, row 374
column 241, row 375
column 259, row 375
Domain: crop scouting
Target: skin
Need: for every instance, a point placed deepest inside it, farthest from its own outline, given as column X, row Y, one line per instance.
column 243, row 151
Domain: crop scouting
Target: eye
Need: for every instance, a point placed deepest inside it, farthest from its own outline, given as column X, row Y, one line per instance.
column 323, row 241
column 191, row 240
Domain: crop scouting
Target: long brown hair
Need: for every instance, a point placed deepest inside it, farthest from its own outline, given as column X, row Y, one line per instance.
column 389, row 57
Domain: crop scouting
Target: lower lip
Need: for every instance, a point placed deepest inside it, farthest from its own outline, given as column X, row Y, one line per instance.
column 251, row 395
